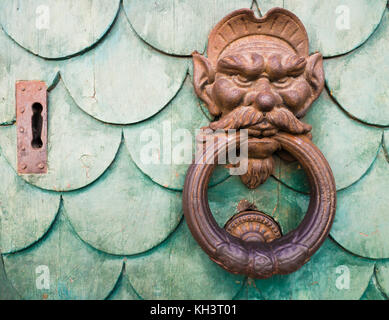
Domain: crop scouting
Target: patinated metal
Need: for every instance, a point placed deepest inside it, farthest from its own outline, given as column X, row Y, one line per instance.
column 259, row 76
column 31, row 121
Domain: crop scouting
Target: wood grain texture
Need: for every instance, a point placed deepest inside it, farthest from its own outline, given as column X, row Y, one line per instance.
column 325, row 24
column 57, row 29
column 358, row 81
column 386, row 143
column 249, row 291
column 7, row 291
column 266, row 5
column 225, row 197
column 179, row 269
column 26, row 213
column 76, row 271
column 124, row 212
column 80, row 148
column 382, row 277
column 373, row 291
column 286, row 206
column 18, row 64
column 123, row 80
column 117, row 77
column 361, row 223
column 124, row 290
column 171, row 135
column 178, row 26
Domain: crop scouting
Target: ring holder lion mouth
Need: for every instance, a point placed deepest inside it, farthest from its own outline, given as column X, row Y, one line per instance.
column 258, row 76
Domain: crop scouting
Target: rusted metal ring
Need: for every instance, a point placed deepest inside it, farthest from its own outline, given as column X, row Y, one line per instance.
column 254, row 259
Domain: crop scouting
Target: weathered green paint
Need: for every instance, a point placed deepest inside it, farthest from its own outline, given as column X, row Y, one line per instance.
column 224, row 198
column 55, row 29
column 120, row 205
column 373, row 291
column 334, row 27
column 249, row 292
column 76, row 271
column 124, row 290
column 123, row 80
column 124, row 212
column 323, row 277
column 179, row 269
column 359, row 80
column 266, row 5
column 178, row 26
column 386, row 142
column 26, row 212
column 286, row 206
column 382, row 277
column 361, row 223
column 7, row 291
column 79, row 148
column 163, row 147
column 357, row 143
column 18, row 64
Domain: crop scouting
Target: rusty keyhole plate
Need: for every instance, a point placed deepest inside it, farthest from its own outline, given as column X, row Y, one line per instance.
column 31, row 122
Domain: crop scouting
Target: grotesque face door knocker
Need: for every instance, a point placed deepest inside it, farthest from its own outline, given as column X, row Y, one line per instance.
column 260, row 77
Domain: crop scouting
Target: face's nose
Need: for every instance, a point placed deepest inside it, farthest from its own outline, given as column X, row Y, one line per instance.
column 265, row 100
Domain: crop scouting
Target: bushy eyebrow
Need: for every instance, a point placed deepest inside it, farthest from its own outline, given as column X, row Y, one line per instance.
column 250, row 65
column 295, row 65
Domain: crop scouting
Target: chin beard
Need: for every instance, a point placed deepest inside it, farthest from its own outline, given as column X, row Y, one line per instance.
column 258, row 171
column 261, row 124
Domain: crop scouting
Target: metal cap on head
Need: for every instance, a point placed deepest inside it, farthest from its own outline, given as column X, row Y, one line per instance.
column 242, row 28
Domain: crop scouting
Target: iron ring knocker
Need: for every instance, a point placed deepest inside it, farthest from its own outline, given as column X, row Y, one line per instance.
column 259, row 76
column 259, row 259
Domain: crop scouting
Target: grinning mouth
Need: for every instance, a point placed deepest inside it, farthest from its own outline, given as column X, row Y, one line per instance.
column 262, row 128
column 261, row 124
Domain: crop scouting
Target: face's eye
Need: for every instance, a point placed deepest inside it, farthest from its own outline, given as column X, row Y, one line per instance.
column 283, row 82
column 241, row 80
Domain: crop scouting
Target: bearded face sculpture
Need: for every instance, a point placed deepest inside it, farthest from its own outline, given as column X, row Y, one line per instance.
column 259, row 76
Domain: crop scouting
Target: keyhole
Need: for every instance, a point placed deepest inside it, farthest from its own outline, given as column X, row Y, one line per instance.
column 36, row 125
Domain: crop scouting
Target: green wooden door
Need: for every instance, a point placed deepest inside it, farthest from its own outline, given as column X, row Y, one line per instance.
column 106, row 222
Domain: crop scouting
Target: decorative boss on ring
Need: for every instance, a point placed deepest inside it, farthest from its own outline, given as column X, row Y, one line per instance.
column 259, row 76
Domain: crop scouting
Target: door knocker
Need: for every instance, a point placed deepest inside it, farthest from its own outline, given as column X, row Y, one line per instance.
column 259, row 76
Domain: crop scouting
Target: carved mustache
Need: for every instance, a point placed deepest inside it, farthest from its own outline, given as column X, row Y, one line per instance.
column 246, row 117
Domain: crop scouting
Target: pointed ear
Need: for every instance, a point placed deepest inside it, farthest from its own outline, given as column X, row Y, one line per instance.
column 203, row 78
column 314, row 73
